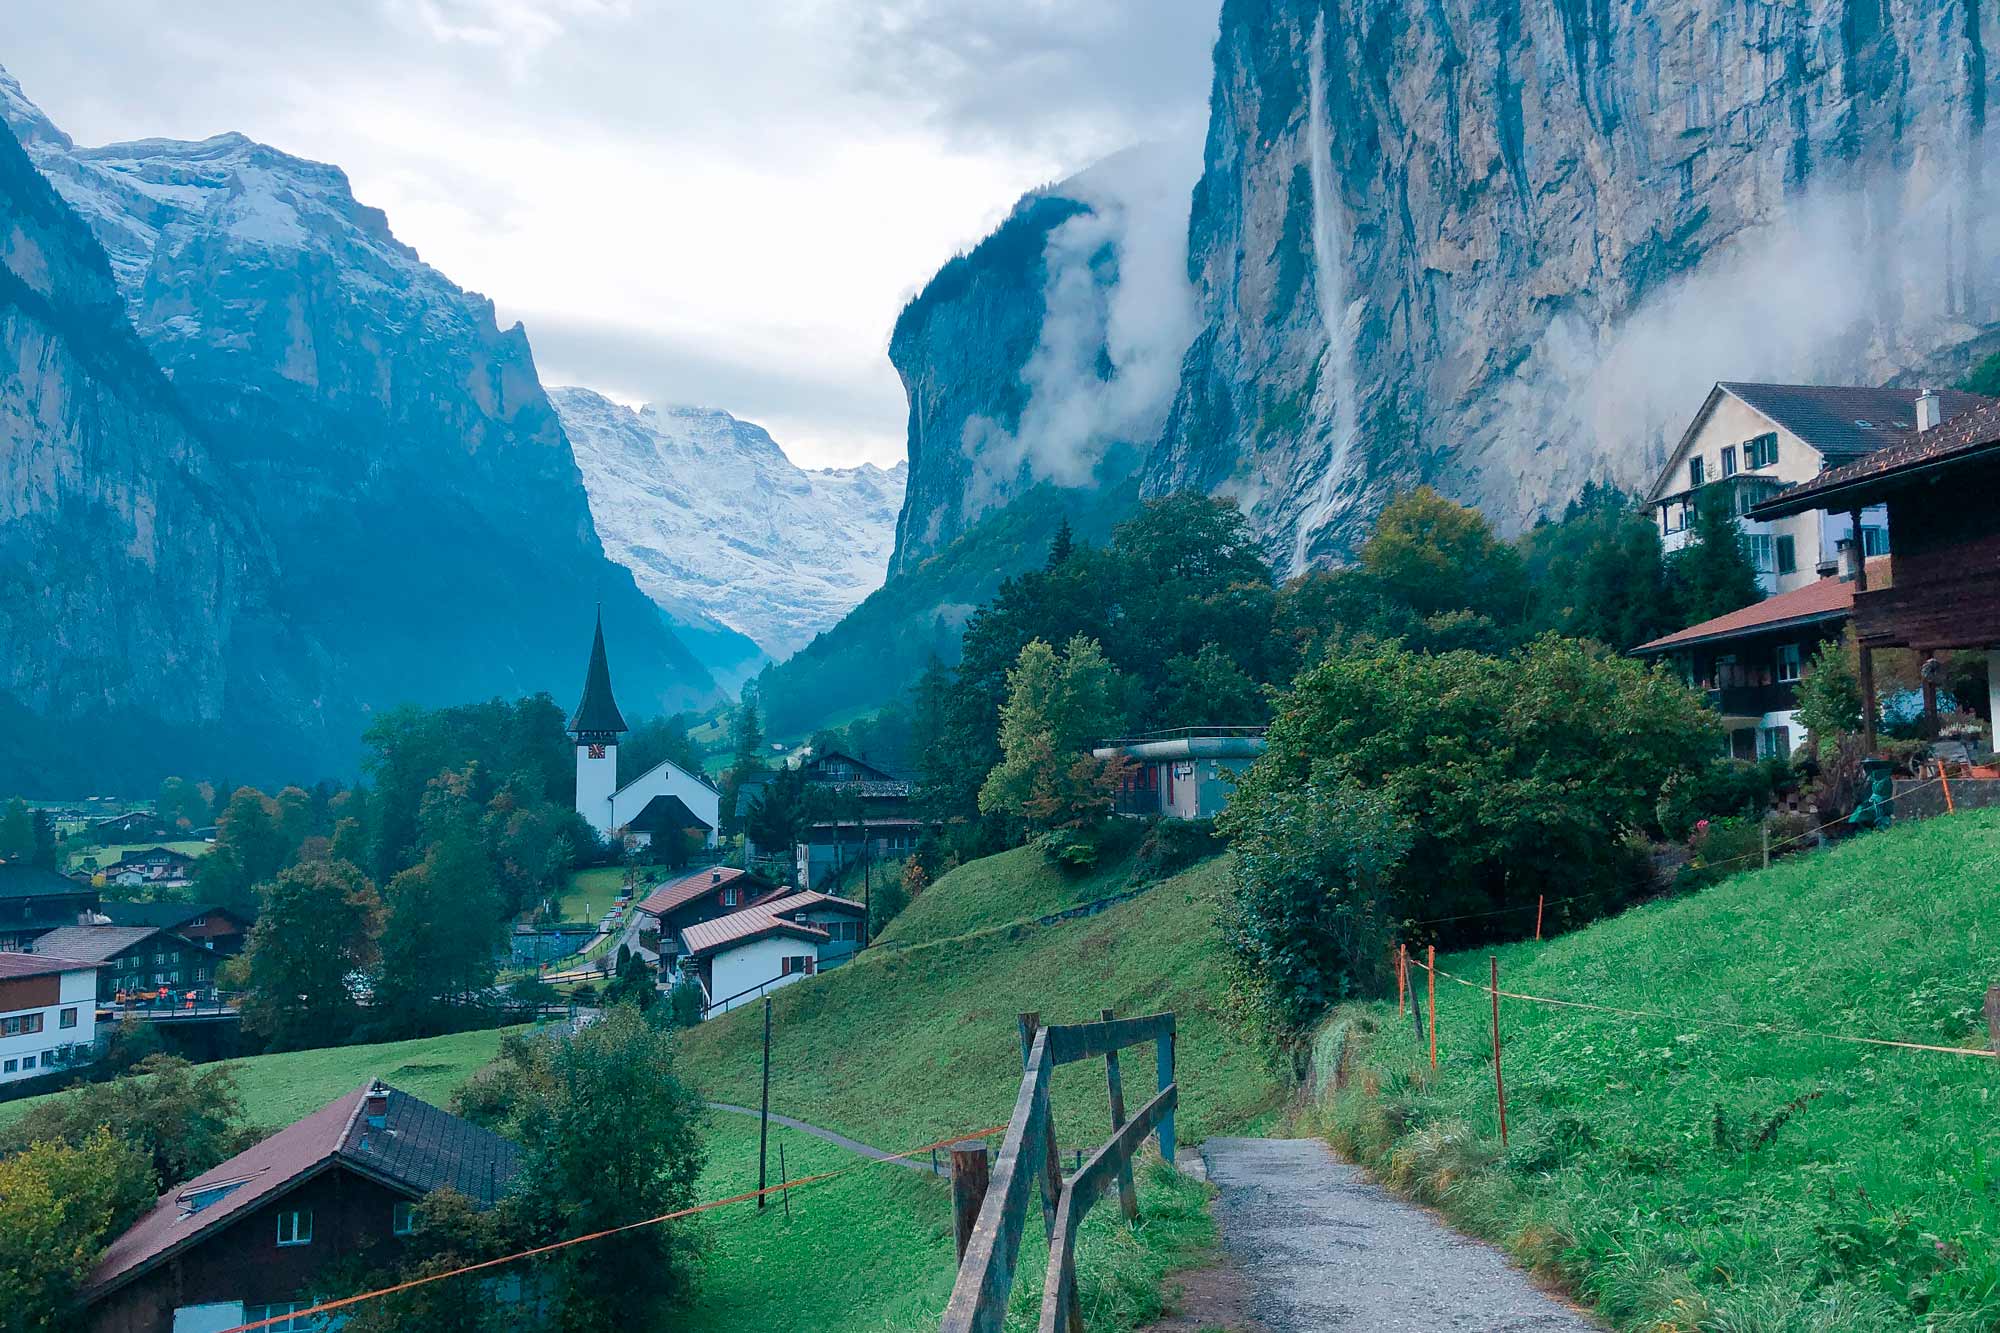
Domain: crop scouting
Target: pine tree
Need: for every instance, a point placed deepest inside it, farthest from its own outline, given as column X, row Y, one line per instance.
column 1712, row 575
column 1063, row 547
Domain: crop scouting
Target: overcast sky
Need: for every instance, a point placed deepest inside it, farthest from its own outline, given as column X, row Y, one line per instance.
column 721, row 202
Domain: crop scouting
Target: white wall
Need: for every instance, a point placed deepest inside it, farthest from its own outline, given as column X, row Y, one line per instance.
column 753, row 964
column 75, row 990
column 666, row 779
column 596, row 779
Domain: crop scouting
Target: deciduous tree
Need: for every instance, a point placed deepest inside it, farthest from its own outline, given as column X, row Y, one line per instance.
column 314, row 939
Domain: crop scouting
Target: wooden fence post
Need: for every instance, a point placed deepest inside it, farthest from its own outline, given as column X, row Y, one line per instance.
column 1950, row 807
column 1431, row 971
column 1051, row 1155
column 1128, row 1198
column 1540, row 899
column 1402, row 979
column 1499, row 1087
column 969, row 1174
column 1993, row 1018
column 1164, row 1061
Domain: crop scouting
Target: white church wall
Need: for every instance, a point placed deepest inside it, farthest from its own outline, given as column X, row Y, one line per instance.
column 665, row 778
column 596, row 780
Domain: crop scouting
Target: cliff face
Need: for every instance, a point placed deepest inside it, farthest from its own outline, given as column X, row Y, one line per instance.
column 427, row 519
column 1504, row 248
column 135, row 594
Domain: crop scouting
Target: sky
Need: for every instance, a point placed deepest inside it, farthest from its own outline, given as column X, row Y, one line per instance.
column 719, row 202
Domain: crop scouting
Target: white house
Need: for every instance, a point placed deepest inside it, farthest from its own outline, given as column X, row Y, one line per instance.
column 1749, row 441
column 746, row 955
column 665, row 799
column 48, row 1014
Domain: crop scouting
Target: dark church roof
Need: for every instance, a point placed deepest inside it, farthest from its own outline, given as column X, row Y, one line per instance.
column 665, row 814
column 598, row 714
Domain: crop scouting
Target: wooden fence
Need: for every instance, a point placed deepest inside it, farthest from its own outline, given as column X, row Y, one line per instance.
column 991, row 1244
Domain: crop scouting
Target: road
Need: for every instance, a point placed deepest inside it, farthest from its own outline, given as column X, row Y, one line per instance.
column 1324, row 1248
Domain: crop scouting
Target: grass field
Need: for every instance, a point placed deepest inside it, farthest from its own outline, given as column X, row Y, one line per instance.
column 900, row 1048
column 1682, row 1174
column 104, row 856
column 278, row 1089
column 998, row 889
column 591, row 893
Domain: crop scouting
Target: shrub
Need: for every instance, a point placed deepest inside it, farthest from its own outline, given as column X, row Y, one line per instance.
column 1172, row 845
column 1072, row 849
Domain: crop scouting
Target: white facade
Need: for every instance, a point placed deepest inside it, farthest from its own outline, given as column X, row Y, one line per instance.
column 610, row 807
column 1727, row 437
column 744, row 974
column 30, row 1037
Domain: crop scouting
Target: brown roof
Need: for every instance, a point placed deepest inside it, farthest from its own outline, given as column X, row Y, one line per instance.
column 419, row 1149
column 773, row 916
column 14, row 965
column 93, row 943
column 1960, row 436
column 680, row 892
column 1823, row 599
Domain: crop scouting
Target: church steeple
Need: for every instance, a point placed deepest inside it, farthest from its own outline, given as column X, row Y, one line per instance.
column 597, row 718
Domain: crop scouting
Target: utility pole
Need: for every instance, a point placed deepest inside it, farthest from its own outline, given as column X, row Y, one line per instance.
column 764, row 1112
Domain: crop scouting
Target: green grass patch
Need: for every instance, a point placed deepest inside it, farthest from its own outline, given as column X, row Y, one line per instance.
column 995, row 890
column 871, row 1251
column 591, row 893
column 1683, row 1175
column 99, row 857
column 278, row 1089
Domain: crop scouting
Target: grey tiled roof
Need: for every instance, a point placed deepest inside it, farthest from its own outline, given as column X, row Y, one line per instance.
column 1845, row 421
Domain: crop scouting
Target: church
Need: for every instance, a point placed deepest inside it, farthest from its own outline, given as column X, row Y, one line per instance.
column 663, row 801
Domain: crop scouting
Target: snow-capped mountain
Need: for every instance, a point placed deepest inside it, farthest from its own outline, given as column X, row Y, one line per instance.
column 713, row 520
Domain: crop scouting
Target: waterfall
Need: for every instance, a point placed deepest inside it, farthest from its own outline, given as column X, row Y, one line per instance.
column 1336, row 388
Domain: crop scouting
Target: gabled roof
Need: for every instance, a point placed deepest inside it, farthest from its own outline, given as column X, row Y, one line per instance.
column 153, row 855
column 680, row 892
column 1819, row 601
column 165, row 916
column 772, row 916
column 419, row 1149
column 666, row 814
column 15, row 965
column 94, row 944
column 26, row 881
column 598, row 713
column 691, row 774
column 1968, row 435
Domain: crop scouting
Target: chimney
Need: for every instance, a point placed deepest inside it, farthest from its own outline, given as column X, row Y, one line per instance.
column 1849, row 555
column 715, row 875
column 1930, row 410
column 377, row 1109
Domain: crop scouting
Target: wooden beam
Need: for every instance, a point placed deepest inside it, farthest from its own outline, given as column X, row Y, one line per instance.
column 979, row 1296
column 1059, row 1296
column 1128, row 1199
column 1071, row 1042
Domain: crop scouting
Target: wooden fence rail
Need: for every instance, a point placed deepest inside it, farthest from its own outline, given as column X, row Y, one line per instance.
column 1027, row 1159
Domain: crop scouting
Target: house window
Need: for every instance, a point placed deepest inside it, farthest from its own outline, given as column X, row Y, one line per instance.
column 800, row 963
column 402, row 1217
column 10, row 1067
column 1761, row 452
column 1696, row 473
column 67, row 1019
column 1774, row 742
column 1789, row 662
column 253, row 1314
column 296, row 1227
column 729, row 897
column 27, row 1062
column 1760, row 554
column 1874, row 539
column 1788, row 555
column 1729, row 460
column 20, row 1025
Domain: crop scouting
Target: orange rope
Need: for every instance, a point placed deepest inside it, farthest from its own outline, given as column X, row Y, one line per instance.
column 1761, row 1028
column 380, row 1292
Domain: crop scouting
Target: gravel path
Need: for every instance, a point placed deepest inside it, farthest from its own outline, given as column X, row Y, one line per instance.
column 1325, row 1248
column 922, row 1163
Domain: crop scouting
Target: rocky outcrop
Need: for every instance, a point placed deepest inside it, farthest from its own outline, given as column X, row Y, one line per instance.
column 426, row 516
column 1504, row 248
column 717, row 524
column 136, row 604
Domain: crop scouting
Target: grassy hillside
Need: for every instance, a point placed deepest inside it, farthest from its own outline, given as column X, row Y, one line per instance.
column 1682, row 1174
column 904, row 1047
column 278, row 1089
column 997, row 889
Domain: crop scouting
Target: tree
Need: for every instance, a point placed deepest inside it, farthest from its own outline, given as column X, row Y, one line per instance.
column 655, row 740
column 314, row 935
column 634, row 982
column 747, row 734
column 250, row 848
column 609, row 1135
column 181, row 805
column 1712, row 575
column 183, row 1118
column 1209, row 689
column 59, row 1205
column 48, row 848
column 17, row 832
column 1438, row 556
column 1599, row 572
column 1062, row 546
column 1829, row 694
column 448, row 1232
column 440, row 926
column 1057, row 705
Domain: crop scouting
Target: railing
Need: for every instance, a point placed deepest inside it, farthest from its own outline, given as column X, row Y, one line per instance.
column 991, row 1243
column 1185, row 733
column 710, row 1008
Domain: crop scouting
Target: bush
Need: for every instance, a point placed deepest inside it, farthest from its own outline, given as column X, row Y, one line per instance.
column 1172, row 845
column 1724, row 788
column 1072, row 849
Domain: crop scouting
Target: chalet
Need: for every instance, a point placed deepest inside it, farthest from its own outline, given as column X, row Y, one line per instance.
column 255, row 1237
column 221, row 930
column 867, row 814
column 782, row 939
column 670, row 909
column 48, row 1014
column 1941, row 587
column 1749, row 441
column 1183, row 773
column 131, row 825
column 136, row 962
column 34, row 901
column 664, row 801
column 1749, row 662
column 155, row 867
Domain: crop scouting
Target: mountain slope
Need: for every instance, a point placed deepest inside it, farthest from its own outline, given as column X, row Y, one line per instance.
column 136, row 617
column 716, row 523
column 428, row 520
